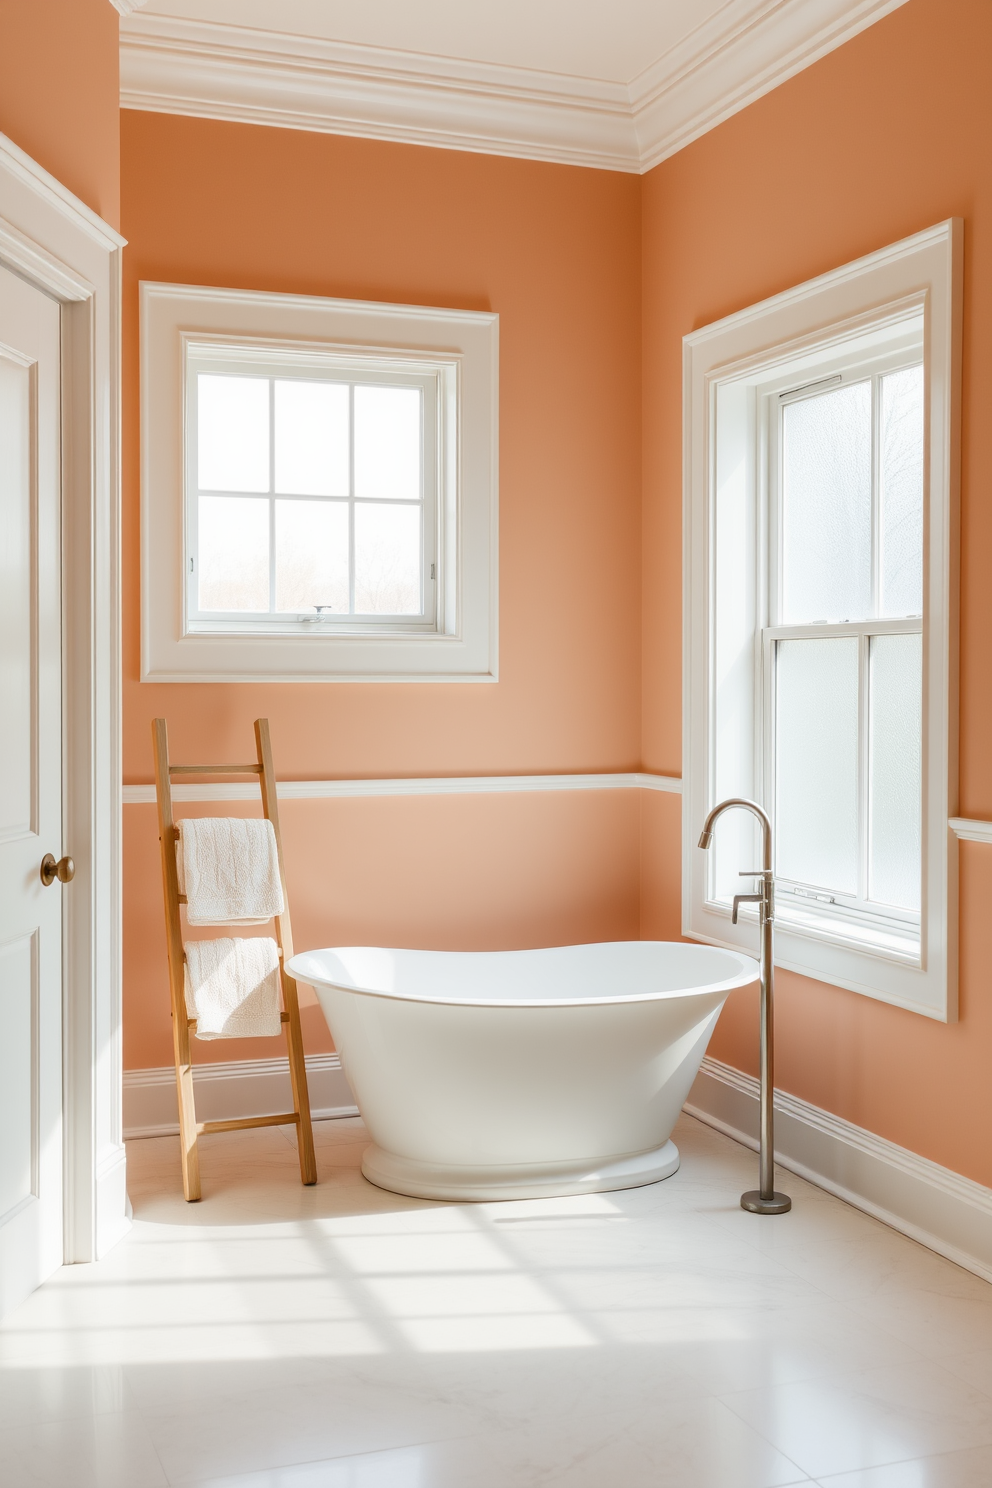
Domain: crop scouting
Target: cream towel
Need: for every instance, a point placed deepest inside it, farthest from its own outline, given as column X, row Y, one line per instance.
column 232, row 988
column 229, row 871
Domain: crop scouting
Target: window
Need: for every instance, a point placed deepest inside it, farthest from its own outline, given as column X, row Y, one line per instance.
column 312, row 492
column 820, row 520
column 841, row 656
column 318, row 489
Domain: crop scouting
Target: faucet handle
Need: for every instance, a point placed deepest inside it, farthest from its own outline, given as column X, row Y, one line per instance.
column 765, row 873
column 740, row 899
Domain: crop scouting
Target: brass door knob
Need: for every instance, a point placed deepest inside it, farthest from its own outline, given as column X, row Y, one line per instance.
column 63, row 870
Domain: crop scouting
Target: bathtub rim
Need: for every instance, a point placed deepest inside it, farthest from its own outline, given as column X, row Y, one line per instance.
column 748, row 977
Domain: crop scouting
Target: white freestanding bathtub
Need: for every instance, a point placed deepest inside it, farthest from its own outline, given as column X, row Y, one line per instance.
column 521, row 1074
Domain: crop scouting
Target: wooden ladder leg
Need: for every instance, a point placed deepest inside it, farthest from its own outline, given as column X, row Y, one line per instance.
column 168, row 836
column 188, row 1150
column 284, row 939
column 298, row 1076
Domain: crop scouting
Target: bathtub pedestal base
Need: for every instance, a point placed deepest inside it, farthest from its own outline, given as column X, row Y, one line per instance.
column 425, row 1180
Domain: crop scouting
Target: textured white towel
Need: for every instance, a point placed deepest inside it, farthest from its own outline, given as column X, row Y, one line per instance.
column 232, row 988
column 229, row 870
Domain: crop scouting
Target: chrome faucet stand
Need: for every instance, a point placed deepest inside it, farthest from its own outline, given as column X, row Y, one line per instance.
column 764, row 1199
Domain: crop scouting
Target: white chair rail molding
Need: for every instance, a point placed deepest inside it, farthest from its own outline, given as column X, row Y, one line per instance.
column 820, row 620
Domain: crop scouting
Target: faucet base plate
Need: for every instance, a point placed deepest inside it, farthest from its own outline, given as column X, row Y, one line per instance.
column 779, row 1203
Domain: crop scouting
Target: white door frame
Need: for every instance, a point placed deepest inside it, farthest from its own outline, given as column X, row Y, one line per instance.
column 57, row 243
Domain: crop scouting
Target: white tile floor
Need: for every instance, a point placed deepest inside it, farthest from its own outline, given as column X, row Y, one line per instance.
column 341, row 1337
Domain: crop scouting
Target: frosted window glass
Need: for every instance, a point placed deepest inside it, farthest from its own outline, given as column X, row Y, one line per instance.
column 817, row 762
column 901, row 463
column 311, row 438
column 232, row 433
column 387, row 443
column 895, row 778
column 387, row 560
column 827, row 507
column 233, row 543
column 312, row 556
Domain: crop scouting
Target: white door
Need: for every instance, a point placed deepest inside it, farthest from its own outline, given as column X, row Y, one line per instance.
column 30, row 790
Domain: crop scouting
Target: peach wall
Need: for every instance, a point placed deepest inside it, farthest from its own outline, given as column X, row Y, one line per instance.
column 883, row 137
column 60, row 91
column 890, row 133
column 458, row 872
column 555, row 250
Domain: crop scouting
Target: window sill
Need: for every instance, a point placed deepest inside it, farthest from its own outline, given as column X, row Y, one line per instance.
column 846, row 934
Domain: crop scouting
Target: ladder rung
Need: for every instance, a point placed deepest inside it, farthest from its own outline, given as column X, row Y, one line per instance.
column 244, row 1122
column 191, row 1022
column 215, row 769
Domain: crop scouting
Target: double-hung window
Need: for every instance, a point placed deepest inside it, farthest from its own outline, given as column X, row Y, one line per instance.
column 841, row 655
column 318, row 489
column 820, row 614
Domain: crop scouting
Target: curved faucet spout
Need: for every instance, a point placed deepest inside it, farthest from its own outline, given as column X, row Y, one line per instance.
column 706, row 835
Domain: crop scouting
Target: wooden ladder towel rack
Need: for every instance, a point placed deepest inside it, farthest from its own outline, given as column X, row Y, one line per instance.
column 182, row 1025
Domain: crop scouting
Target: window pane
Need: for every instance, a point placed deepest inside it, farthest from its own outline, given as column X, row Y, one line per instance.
column 895, row 781
column 233, row 535
column 901, row 566
column 816, row 750
column 312, row 555
column 387, row 560
column 311, row 438
column 387, row 443
column 826, row 514
column 232, row 433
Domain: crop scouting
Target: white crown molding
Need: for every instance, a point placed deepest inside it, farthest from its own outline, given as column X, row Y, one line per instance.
column 930, row 1203
column 206, row 70
column 261, row 77
column 726, row 64
column 127, row 7
column 445, row 785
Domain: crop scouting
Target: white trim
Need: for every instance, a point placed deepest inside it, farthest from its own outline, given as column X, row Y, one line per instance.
column 941, row 1209
column 200, row 68
column 966, row 830
column 920, row 1198
column 466, row 649
column 445, row 785
column 171, row 64
column 727, row 64
column 226, row 1091
column 873, row 295
column 127, row 7
column 63, row 247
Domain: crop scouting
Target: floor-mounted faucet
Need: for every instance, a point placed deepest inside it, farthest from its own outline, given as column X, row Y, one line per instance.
column 763, row 1200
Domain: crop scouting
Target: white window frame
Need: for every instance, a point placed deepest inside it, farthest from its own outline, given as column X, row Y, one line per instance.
column 437, row 382
column 873, row 306
column 453, row 354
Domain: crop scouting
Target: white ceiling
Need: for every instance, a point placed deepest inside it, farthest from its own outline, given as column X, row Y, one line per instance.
column 619, row 84
column 614, row 41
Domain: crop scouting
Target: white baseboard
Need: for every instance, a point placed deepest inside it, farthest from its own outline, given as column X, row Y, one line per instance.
column 241, row 1087
column 113, row 1210
column 950, row 1214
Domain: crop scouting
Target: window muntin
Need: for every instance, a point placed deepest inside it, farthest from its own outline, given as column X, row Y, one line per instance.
column 312, row 493
column 842, row 652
